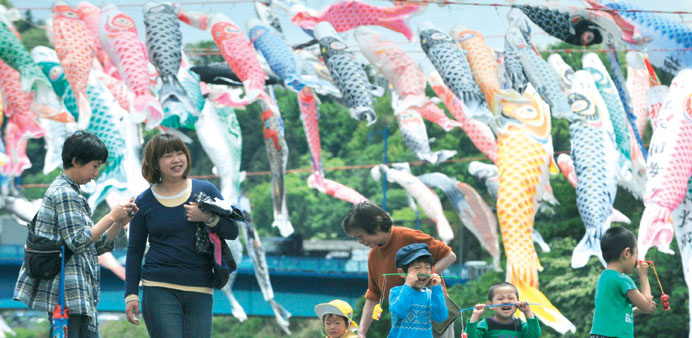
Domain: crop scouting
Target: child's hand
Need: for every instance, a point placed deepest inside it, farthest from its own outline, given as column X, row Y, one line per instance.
column 523, row 306
column 478, row 311
column 435, row 280
column 643, row 267
column 411, row 278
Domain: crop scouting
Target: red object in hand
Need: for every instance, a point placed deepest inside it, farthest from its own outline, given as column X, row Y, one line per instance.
column 464, row 335
column 665, row 302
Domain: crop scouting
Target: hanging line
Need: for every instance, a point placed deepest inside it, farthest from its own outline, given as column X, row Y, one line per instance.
column 422, row 2
column 210, row 51
column 491, row 4
column 184, row 3
column 655, row 273
column 309, row 170
column 665, row 299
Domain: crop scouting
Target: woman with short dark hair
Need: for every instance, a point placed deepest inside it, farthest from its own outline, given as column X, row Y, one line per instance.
column 177, row 292
column 65, row 216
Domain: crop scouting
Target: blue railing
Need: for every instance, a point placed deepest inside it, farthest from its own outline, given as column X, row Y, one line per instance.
column 309, row 264
column 347, row 268
column 11, row 254
column 296, row 281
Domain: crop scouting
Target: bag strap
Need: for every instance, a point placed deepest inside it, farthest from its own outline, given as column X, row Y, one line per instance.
column 31, row 225
column 61, row 295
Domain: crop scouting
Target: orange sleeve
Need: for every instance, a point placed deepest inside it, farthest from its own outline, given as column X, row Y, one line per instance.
column 373, row 293
column 438, row 249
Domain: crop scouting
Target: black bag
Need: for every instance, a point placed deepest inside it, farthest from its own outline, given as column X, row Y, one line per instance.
column 42, row 255
column 221, row 274
column 453, row 312
column 202, row 243
column 221, row 270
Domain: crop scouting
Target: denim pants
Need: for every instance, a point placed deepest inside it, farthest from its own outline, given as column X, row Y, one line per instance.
column 77, row 327
column 170, row 313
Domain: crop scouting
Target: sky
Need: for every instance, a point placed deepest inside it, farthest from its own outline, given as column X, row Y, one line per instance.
column 490, row 21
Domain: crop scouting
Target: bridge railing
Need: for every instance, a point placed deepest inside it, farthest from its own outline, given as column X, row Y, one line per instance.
column 349, row 268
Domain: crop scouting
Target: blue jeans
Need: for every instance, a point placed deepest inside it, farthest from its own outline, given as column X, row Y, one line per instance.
column 170, row 313
column 77, row 326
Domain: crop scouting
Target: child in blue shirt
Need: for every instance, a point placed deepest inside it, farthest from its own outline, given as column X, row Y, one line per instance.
column 414, row 305
column 615, row 290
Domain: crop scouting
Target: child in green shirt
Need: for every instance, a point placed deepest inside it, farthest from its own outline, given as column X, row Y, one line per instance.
column 503, row 323
column 615, row 290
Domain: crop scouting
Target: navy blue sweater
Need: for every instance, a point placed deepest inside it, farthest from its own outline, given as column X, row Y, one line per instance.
column 171, row 257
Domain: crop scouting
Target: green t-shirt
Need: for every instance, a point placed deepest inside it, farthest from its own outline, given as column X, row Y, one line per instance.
column 613, row 314
column 488, row 328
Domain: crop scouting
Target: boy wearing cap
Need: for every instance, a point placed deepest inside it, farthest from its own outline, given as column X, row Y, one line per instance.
column 337, row 317
column 414, row 305
column 373, row 227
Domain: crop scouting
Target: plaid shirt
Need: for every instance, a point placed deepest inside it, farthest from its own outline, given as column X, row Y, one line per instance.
column 65, row 214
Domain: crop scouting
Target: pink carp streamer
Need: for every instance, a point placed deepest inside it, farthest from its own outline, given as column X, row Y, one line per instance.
column 403, row 74
column 238, row 52
column 21, row 123
column 195, row 19
column 669, row 166
column 338, row 190
column 310, row 117
column 119, row 38
column 75, row 48
column 479, row 133
column 637, row 85
column 346, row 15
column 424, row 197
column 91, row 14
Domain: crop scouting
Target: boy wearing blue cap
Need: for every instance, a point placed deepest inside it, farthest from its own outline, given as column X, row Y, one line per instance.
column 414, row 305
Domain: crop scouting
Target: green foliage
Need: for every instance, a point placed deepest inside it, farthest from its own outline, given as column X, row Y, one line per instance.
column 264, row 327
column 222, row 326
column 346, row 142
column 203, row 57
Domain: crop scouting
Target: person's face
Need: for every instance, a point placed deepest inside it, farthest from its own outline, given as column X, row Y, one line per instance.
column 173, row 164
column 370, row 240
column 334, row 325
column 423, row 269
column 83, row 173
column 504, row 295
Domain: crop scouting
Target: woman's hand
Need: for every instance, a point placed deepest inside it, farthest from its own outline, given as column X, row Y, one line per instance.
column 195, row 214
column 132, row 311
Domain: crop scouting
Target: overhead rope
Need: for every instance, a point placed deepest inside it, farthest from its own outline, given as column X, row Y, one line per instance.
column 309, row 170
column 211, row 51
column 422, row 2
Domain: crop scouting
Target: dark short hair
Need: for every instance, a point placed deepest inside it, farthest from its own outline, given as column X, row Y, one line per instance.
column 83, row 147
column 158, row 146
column 329, row 315
column 368, row 217
column 614, row 241
column 425, row 259
column 491, row 290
